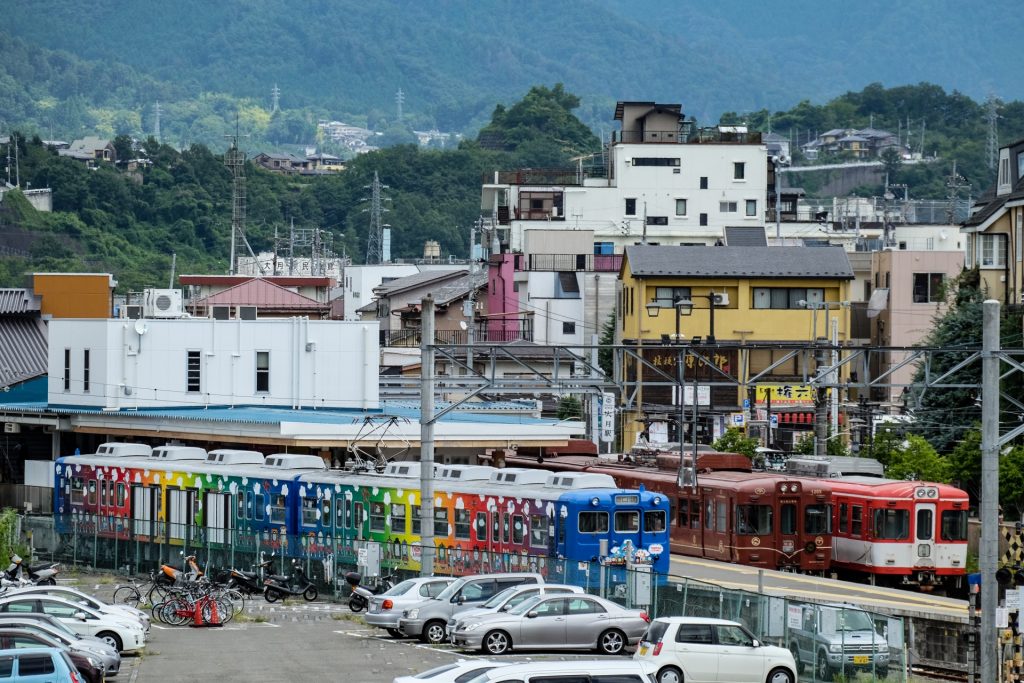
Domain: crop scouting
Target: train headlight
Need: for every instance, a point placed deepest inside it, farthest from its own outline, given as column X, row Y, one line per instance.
column 784, row 488
column 657, row 500
column 594, row 501
column 794, row 488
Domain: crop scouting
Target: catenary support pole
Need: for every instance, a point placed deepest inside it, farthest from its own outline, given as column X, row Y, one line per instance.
column 989, row 546
column 427, row 437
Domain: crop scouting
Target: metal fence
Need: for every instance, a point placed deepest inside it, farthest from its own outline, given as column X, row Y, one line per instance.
column 829, row 641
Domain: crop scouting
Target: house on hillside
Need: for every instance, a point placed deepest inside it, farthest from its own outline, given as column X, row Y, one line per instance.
column 90, row 150
column 281, row 162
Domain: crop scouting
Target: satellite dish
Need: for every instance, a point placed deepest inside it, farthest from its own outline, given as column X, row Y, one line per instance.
column 463, row 325
column 140, row 327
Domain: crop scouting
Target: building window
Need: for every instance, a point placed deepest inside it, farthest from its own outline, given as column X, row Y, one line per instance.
column 262, row 371
column 67, row 369
column 540, row 206
column 604, row 248
column 655, row 161
column 703, row 219
column 928, row 288
column 193, row 373
column 568, row 328
column 786, row 298
column 657, row 220
column 566, row 286
column 85, row 370
column 664, row 296
column 703, row 182
column 992, row 251
column 680, row 207
column 631, row 206
column 727, row 207
column 739, row 170
column 751, row 207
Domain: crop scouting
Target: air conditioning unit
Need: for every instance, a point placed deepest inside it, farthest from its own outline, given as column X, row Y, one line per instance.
column 220, row 312
column 12, row 428
column 162, row 303
column 246, row 312
column 132, row 312
column 721, row 298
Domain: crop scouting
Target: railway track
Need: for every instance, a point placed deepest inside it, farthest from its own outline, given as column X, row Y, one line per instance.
column 938, row 673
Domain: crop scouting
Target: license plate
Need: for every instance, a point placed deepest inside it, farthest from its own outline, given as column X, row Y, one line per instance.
column 643, row 650
column 861, row 659
column 373, row 609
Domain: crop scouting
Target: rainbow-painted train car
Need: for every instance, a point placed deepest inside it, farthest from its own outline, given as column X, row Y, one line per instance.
column 485, row 519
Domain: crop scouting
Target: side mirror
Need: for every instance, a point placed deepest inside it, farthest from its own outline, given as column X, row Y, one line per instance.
column 80, row 616
column 532, row 614
column 755, row 643
column 506, row 607
column 459, row 599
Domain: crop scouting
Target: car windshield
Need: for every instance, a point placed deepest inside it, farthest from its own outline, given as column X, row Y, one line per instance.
column 500, row 597
column 451, row 590
column 525, row 607
column 853, row 620
column 655, row 631
column 400, row 589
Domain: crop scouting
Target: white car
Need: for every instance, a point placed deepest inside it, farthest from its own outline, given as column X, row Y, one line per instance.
column 123, row 633
column 599, row 671
column 75, row 595
column 461, row 671
column 698, row 650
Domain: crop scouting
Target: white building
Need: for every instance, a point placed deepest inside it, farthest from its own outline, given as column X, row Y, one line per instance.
column 120, row 364
column 662, row 183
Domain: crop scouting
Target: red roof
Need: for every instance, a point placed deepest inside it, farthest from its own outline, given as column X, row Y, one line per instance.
column 281, row 280
column 263, row 294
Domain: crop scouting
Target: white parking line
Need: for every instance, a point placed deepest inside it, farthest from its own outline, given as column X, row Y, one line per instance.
column 267, row 623
column 430, row 648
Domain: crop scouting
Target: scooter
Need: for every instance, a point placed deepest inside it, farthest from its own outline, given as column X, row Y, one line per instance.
column 360, row 598
column 169, row 576
column 42, row 574
column 249, row 583
column 278, row 587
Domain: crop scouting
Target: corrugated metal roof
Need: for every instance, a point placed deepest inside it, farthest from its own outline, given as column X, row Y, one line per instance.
column 258, row 292
column 743, row 262
column 745, row 236
column 416, row 280
column 23, row 349
column 18, row 301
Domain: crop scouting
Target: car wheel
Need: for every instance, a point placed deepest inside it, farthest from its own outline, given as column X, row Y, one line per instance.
column 796, row 658
column 497, row 643
column 780, row 675
column 433, row 632
column 395, row 633
column 111, row 639
column 611, row 642
column 670, row 674
column 822, row 671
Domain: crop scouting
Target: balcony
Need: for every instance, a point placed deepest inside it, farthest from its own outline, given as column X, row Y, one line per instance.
column 600, row 263
column 711, row 135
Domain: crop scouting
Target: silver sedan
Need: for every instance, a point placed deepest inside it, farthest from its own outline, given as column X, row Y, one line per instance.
column 576, row 622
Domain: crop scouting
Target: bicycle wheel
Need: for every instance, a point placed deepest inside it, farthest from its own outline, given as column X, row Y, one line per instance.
column 157, row 593
column 177, row 611
column 237, row 600
column 127, row 595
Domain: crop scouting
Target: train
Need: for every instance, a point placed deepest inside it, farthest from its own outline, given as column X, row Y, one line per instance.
column 485, row 519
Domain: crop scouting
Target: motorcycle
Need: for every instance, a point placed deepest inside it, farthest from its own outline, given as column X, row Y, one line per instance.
column 249, row 583
column 278, row 587
column 170, row 576
column 41, row 574
column 360, row 598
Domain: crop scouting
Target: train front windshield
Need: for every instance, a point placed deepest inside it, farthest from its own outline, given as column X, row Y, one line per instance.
column 817, row 519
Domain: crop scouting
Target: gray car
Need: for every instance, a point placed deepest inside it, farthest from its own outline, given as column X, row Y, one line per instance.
column 837, row 638
column 54, row 628
column 385, row 609
column 571, row 622
column 506, row 600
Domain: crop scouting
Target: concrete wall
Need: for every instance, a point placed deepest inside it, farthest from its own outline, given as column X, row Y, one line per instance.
column 75, row 295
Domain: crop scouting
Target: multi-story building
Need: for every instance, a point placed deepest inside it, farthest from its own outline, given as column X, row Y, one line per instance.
column 661, row 182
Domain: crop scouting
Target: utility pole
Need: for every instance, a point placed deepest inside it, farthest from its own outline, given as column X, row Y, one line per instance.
column 399, row 100
column 427, row 436
column 988, row 548
column 469, row 311
column 835, row 377
column 992, row 139
column 156, row 122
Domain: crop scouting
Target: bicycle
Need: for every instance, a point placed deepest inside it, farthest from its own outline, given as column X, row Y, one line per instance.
column 132, row 594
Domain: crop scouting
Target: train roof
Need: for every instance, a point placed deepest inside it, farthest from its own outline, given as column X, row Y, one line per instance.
column 833, row 466
column 873, row 487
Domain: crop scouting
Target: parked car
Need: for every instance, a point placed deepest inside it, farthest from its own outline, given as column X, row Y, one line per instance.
column 426, row 620
column 837, row 637
column 123, row 633
column 38, row 664
column 506, row 600
column 386, row 609
column 461, row 671
column 579, row 671
column 75, row 595
column 698, row 650
column 16, row 639
column 569, row 622
column 55, row 628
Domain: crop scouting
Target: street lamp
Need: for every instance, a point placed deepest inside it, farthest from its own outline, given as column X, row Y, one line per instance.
column 684, row 306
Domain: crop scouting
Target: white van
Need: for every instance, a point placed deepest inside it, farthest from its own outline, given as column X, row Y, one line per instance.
column 579, row 671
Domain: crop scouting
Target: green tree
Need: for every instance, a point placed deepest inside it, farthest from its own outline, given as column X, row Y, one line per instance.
column 1011, row 482
column 569, row 408
column 965, row 463
column 892, row 162
column 805, row 445
column 735, row 441
column 916, row 459
column 606, row 354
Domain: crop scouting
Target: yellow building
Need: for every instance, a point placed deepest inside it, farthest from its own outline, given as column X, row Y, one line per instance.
column 783, row 295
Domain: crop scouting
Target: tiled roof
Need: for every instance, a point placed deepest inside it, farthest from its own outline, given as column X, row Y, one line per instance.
column 743, row 262
column 18, row 301
column 23, row 349
column 416, row 280
column 258, row 292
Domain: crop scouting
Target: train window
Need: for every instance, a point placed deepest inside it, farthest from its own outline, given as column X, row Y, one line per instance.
column 816, row 519
column 398, row 518
column 341, row 513
column 481, row 526
column 518, row 529
column 694, row 515
column 357, row 516
column 844, row 514
column 462, row 524
column 683, row 512
column 856, row 513
column 495, row 527
column 627, row 521
column 654, row 521
column 892, row 525
column 103, row 493
column 259, row 507
column 593, row 522
column 77, row 491
column 325, row 512
column 788, row 522
column 122, row 494
column 539, row 534
column 441, row 523
column 241, row 506
column 722, row 517
column 377, row 516
column 709, row 515
column 309, row 506
column 92, row 492
column 277, row 509
column 954, row 525
column 753, row 520
column 415, row 511
column 924, row 524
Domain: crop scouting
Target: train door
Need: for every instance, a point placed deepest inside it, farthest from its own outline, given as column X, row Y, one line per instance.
column 717, row 539
column 789, row 531
column 179, row 505
column 219, row 520
column 144, row 510
column 924, row 530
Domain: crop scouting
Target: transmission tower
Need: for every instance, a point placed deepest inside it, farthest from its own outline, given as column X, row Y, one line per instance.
column 399, row 100
column 275, row 99
column 992, row 141
column 375, row 239
column 156, row 122
column 955, row 183
column 234, row 159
